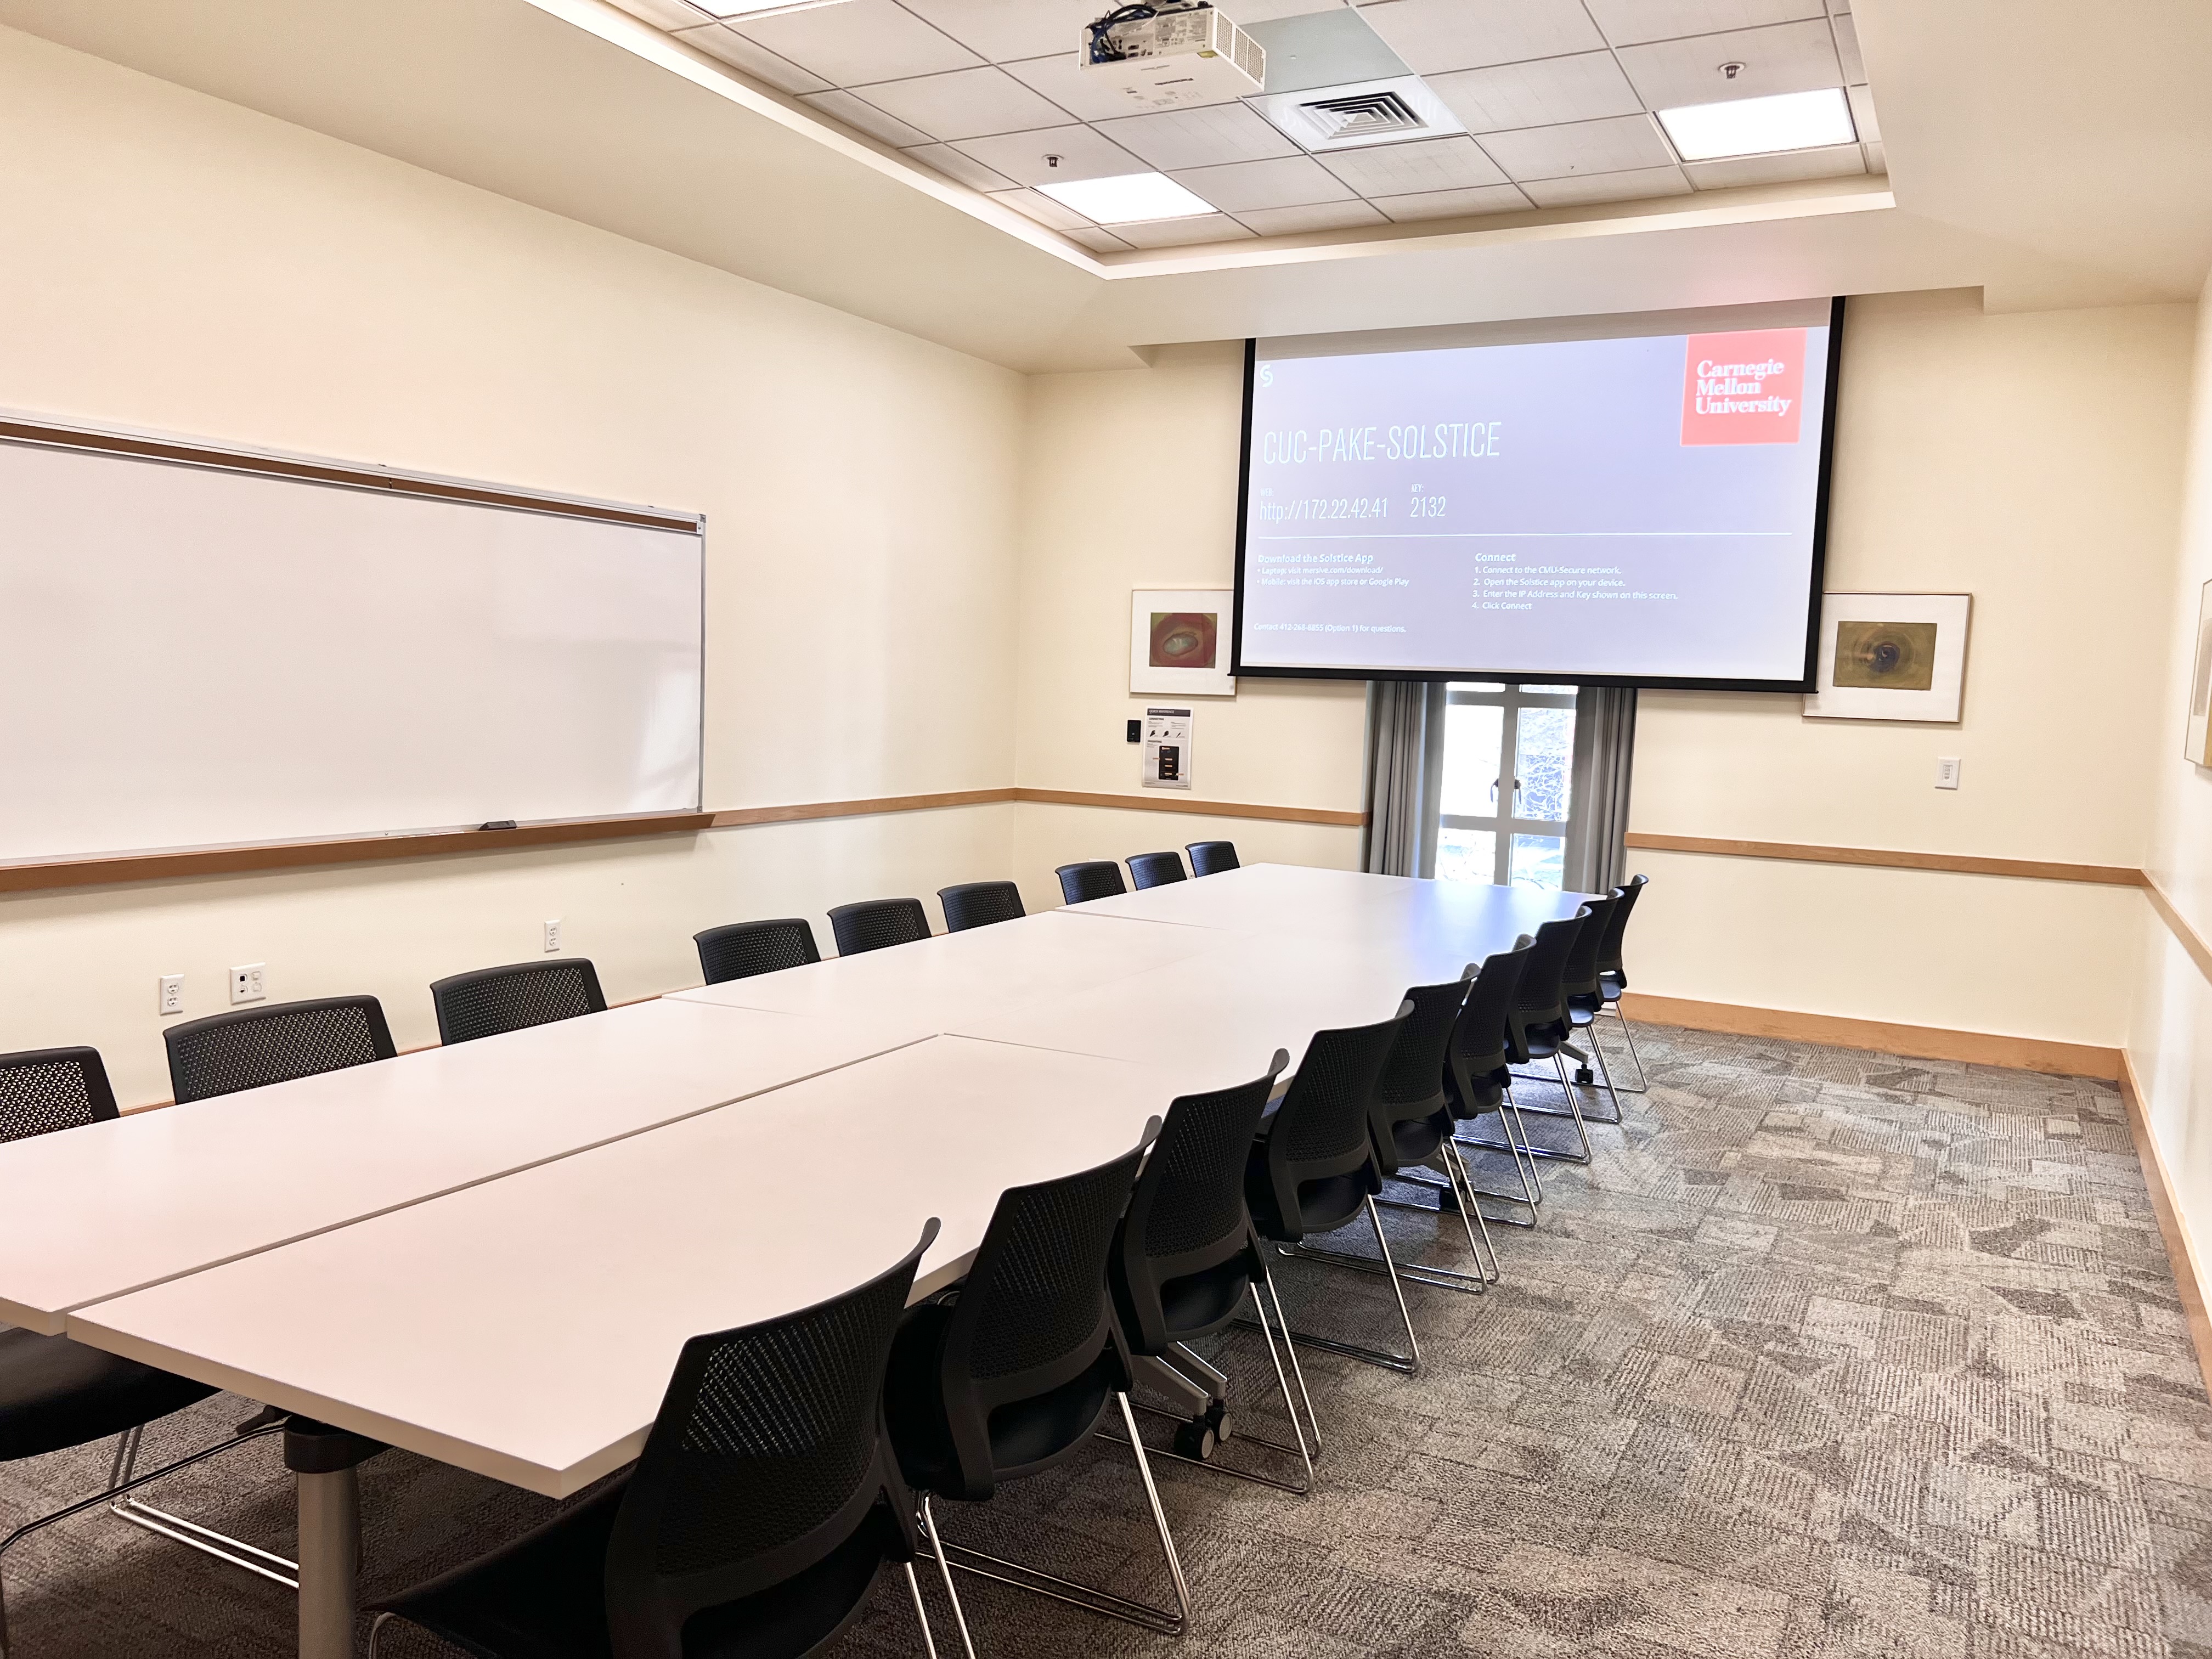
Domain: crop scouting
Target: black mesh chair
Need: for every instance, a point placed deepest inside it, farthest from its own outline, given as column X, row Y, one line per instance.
column 1210, row 857
column 1096, row 879
column 1313, row 1168
column 1013, row 1374
column 250, row 1048
column 1478, row 1083
column 742, row 949
column 56, row 1394
column 1537, row 1028
column 874, row 924
column 1155, row 869
column 751, row 1527
column 489, row 1001
column 1183, row 1260
column 980, row 903
column 1584, row 994
column 1613, row 975
column 1413, row 1127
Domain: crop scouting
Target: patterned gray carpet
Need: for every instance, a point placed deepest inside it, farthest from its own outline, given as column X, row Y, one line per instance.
column 1828, row 1352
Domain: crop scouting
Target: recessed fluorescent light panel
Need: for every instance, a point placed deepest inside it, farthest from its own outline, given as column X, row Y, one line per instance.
column 1759, row 126
column 758, row 8
column 1129, row 198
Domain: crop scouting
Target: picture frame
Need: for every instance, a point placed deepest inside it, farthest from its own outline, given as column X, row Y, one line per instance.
column 1179, row 642
column 2196, row 741
column 1892, row 657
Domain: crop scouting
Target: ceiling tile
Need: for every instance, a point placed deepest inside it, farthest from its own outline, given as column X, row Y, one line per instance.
column 1625, row 22
column 859, row 41
column 1615, row 146
column 1199, row 137
column 763, row 65
column 1314, row 217
column 1847, row 47
column 961, row 169
column 1836, row 161
column 1435, row 35
column 1245, row 13
column 1862, row 116
column 1540, row 93
column 1785, row 58
column 1331, row 48
column 1877, row 159
column 1041, row 208
column 864, row 117
column 966, row 104
column 666, row 14
column 1063, row 80
column 1181, row 233
column 1083, row 153
column 1288, row 181
column 1003, row 30
column 1629, row 185
column 1402, row 169
column 1098, row 241
column 1456, row 203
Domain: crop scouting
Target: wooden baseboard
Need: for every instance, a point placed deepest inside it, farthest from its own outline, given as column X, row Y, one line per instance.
column 2180, row 1249
column 1915, row 1041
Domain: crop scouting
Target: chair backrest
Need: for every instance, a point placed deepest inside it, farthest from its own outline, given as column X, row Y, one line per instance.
column 250, row 1048
column 1579, row 975
column 1479, row 1040
column 1540, row 1001
column 872, row 924
column 980, row 903
column 1155, row 869
column 1187, row 1211
column 1616, row 928
column 768, row 1455
column 742, row 949
column 1324, row 1128
column 486, row 1001
column 1411, row 1086
column 42, row 1090
column 1210, row 857
column 1095, row 879
column 1033, row 1314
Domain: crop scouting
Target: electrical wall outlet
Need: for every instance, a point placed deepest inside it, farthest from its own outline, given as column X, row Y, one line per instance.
column 173, row 994
column 553, row 934
column 1947, row 771
column 245, row 983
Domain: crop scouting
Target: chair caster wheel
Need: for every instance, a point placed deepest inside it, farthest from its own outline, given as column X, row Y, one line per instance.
column 1217, row 1419
column 1196, row 1440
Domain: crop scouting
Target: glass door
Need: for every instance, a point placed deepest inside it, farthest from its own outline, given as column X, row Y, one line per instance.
column 1505, row 803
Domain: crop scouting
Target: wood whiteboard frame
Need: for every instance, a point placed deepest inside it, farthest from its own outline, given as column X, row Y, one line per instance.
column 19, row 427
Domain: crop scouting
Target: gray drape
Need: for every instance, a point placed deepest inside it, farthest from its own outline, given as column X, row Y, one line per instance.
column 1405, row 768
column 1605, row 755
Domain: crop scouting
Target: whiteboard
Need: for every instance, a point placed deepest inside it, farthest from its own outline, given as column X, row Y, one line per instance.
column 192, row 656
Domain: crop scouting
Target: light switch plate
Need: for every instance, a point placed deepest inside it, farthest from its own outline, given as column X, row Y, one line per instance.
column 1947, row 771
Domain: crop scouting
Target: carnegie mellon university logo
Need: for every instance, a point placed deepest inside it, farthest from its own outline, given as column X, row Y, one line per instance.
column 1743, row 388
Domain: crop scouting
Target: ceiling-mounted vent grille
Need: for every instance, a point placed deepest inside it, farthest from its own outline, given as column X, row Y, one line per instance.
column 1351, row 114
column 1364, row 115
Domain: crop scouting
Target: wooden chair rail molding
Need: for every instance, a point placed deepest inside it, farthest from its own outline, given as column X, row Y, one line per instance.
column 2103, row 875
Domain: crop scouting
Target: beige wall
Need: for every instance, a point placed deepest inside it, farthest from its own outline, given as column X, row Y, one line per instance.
column 2170, row 1038
column 177, row 263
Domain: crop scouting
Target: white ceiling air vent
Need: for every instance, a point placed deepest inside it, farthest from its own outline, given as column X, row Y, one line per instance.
column 1365, row 113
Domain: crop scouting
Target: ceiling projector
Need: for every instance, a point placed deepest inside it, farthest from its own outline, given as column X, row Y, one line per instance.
column 1171, row 54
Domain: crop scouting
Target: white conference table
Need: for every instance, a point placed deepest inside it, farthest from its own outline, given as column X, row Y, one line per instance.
column 526, row 1328
column 109, row 1208
column 491, row 1254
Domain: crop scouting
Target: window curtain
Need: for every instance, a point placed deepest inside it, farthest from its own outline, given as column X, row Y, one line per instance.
column 1605, row 754
column 1404, row 777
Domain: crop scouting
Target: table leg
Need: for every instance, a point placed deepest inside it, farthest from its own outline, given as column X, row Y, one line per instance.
column 330, row 1562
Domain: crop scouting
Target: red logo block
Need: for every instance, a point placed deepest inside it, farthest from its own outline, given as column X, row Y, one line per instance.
column 1743, row 388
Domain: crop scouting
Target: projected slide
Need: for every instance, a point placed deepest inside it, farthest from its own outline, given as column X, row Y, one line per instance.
column 1641, row 507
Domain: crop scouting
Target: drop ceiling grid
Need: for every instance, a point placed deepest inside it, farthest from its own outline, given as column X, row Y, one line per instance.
column 1559, row 97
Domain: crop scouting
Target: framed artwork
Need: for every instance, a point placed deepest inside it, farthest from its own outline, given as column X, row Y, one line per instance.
column 1891, row 657
column 1179, row 642
column 2197, row 746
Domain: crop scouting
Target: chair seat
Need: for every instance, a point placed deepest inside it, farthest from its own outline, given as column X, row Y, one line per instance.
column 1027, row 1436
column 1323, row 1206
column 1198, row 1304
column 56, row 1394
column 544, row 1596
column 1415, row 1139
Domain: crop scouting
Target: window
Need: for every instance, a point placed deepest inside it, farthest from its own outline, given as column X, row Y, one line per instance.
column 1504, row 799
